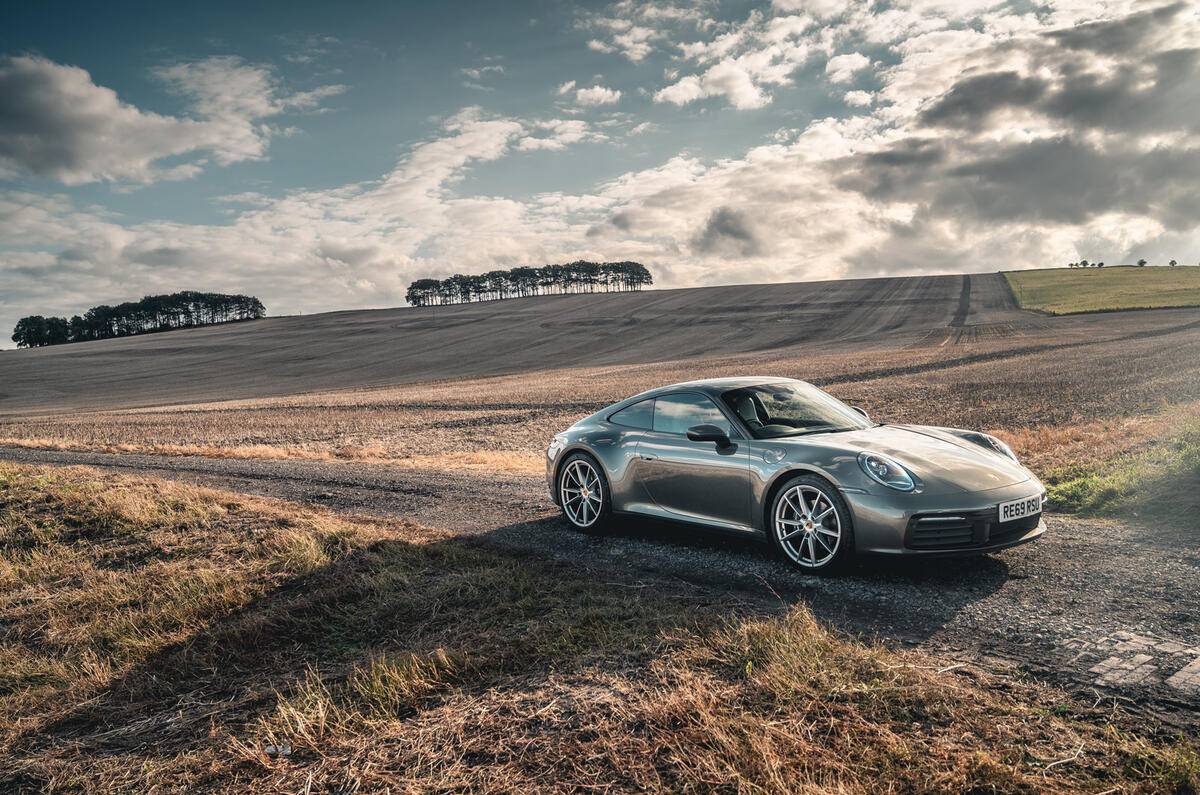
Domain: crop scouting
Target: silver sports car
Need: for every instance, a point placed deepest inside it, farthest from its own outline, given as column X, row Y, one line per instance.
column 780, row 457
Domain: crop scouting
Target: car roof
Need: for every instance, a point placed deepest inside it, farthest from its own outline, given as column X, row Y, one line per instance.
column 714, row 386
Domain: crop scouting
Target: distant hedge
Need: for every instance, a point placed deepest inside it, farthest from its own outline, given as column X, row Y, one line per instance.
column 152, row 313
column 574, row 277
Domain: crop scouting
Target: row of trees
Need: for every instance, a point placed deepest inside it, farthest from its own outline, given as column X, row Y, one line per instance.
column 1085, row 264
column 152, row 313
column 574, row 277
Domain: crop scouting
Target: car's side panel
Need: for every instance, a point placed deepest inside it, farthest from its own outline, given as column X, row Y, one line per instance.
column 696, row 480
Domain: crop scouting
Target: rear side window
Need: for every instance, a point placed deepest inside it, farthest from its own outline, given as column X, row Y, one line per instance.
column 677, row 413
column 639, row 415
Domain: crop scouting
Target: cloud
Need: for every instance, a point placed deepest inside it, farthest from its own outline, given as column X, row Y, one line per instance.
column 475, row 73
column 632, row 41
column 741, row 62
column 821, row 9
column 970, row 103
column 992, row 138
column 559, row 134
column 842, row 68
column 57, row 123
column 597, row 95
column 740, row 80
column 727, row 231
column 1117, row 35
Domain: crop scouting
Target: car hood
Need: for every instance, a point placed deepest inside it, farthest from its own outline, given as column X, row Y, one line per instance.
column 945, row 462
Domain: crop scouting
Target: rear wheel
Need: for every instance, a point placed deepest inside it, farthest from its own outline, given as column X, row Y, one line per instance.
column 583, row 493
column 809, row 525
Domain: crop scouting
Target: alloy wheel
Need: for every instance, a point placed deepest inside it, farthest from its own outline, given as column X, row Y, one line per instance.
column 808, row 526
column 581, row 492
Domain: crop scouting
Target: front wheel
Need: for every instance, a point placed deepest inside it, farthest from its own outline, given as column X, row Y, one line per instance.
column 583, row 493
column 810, row 525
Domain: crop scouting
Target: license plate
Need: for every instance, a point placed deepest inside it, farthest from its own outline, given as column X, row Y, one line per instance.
column 1019, row 509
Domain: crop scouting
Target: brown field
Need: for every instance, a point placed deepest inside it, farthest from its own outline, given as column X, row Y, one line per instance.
column 157, row 635
column 164, row 637
column 1051, row 399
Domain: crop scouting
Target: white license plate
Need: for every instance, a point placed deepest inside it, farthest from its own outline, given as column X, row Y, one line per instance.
column 1019, row 509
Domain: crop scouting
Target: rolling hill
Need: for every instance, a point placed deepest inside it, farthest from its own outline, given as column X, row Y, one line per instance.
column 288, row 355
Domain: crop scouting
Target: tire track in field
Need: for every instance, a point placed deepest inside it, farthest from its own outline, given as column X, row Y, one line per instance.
column 964, row 304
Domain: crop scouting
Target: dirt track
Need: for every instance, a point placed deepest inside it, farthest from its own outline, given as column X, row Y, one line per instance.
column 1089, row 594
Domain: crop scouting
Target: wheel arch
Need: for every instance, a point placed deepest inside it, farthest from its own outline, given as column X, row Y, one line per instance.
column 785, row 476
column 567, row 452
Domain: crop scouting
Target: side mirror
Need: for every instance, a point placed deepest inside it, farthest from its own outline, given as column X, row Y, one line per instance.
column 708, row 433
column 860, row 411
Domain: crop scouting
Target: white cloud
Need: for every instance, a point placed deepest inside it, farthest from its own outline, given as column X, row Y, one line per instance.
column 597, row 95
column 821, row 9
column 61, row 125
column 558, row 134
column 742, row 81
column 842, row 68
column 475, row 73
column 566, row 88
column 859, row 99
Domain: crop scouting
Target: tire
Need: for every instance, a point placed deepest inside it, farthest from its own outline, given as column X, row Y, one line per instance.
column 818, row 547
column 580, row 477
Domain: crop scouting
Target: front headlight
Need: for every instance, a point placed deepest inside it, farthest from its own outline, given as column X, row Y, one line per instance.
column 885, row 471
column 556, row 446
column 999, row 446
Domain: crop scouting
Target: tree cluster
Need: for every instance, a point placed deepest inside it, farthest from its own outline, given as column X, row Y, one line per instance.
column 574, row 277
column 152, row 313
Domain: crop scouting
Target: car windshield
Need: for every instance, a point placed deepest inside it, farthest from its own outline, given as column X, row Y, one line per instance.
column 791, row 408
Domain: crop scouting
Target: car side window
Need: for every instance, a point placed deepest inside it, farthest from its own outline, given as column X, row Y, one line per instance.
column 677, row 413
column 639, row 415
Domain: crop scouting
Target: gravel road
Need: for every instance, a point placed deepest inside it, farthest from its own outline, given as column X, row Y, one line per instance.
column 1104, row 608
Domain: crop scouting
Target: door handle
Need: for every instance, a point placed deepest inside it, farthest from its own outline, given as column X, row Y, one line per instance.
column 649, row 458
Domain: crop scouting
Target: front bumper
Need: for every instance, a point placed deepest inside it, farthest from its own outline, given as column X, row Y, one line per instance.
column 963, row 525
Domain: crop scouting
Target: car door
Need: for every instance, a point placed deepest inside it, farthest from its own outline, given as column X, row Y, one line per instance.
column 695, row 480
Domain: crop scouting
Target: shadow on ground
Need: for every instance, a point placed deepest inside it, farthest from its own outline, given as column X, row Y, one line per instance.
column 525, row 599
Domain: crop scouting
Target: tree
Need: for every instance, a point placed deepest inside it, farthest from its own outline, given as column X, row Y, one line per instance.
column 152, row 313
column 1172, row 263
column 30, row 332
column 1141, row 263
column 422, row 292
column 578, row 276
column 1083, row 263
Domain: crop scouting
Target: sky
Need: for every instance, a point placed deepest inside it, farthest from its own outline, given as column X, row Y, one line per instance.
column 322, row 156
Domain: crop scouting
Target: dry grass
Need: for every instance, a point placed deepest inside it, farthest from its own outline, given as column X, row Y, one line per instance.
column 492, row 461
column 1048, row 447
column 164, row 637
